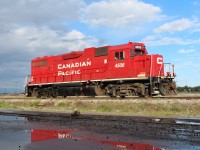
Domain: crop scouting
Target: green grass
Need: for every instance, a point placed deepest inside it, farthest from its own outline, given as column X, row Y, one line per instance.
column 125, row 108
column 35, row 103
column 104, row 108
column 7, row 105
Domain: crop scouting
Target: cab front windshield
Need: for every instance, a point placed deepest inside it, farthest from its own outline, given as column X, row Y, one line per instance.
column 136, row 52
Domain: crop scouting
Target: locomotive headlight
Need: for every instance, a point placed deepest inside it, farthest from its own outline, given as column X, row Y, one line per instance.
column 138, row 47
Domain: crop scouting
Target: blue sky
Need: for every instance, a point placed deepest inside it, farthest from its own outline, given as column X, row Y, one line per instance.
column 31, row 28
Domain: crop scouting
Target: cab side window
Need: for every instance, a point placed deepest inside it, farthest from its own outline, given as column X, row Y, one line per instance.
column 120, row 55
column 132, row 53
column 116, row 55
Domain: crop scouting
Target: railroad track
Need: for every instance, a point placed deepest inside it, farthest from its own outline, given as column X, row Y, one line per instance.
column 105, row 98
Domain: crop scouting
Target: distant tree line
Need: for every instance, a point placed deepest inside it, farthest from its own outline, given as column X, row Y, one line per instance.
column 188, row 89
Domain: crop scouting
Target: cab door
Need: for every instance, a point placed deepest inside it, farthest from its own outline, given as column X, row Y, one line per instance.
column 119, row 64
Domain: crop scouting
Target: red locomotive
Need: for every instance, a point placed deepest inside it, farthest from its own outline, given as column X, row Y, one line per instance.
column 121, row 70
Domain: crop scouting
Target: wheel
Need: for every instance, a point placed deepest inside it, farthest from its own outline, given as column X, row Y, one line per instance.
column 167, row 89
column 99, row 91
column 162, row 89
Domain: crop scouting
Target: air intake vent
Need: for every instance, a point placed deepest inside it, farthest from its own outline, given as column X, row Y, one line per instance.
column 101, row 51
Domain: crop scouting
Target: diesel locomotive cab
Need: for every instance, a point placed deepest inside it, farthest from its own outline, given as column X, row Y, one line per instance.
column 137, row 50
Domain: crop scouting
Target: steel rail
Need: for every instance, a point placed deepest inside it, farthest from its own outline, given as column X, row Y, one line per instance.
column 104, row 98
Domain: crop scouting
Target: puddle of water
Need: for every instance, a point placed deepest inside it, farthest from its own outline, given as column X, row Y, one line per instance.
column 40, row 135
column 15, row 140
column 7, row 111
column 43, row 135
column 83, row 140
column 187, row 122
column 11, row 118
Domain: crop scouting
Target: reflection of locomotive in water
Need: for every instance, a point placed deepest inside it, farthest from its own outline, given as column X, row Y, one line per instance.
column 121, row 70
column 44, row 135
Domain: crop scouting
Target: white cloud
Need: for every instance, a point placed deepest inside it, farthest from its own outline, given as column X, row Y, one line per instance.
column 196, row 70
column 39, row 12
column 38, row 41
column 43, row 40
column 183, row 51
column 158, row 40
column 120, row 13
column 196, row 3
column 176, row 26
column 22, row 44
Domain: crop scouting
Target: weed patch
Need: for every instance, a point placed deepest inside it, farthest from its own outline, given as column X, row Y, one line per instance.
column 142, row 108
column 35, row 103
column 104, row 108
column 7, row 105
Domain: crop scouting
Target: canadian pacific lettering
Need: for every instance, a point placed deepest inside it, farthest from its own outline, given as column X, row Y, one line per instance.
column 74, row 65
column 70, row 72
column 63, row 72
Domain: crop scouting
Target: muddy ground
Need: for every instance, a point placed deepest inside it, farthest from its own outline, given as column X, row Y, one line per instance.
column 96, row 132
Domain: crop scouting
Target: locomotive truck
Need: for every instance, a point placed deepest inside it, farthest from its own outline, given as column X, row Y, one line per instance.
column 119, row 70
